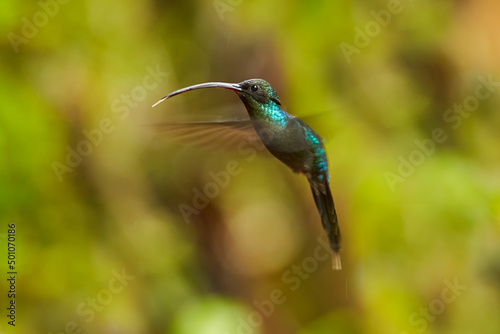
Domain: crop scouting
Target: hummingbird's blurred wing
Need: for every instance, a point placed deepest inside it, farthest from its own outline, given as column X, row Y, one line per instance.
column 229, row 135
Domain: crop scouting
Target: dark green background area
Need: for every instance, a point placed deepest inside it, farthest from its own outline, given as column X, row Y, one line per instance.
column 400, row 92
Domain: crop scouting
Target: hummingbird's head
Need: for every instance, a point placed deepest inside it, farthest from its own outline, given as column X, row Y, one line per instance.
column 254, row 93
column 257, row 91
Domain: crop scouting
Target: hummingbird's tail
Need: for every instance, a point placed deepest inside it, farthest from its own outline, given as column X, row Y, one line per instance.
column 324, row 202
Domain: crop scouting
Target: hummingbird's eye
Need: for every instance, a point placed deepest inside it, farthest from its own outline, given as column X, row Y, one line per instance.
column 254, row 88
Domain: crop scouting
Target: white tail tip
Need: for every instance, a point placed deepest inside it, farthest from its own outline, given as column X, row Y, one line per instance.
column 336, row 263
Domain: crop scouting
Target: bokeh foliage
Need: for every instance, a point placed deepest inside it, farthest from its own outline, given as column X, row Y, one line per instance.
column 118, row 208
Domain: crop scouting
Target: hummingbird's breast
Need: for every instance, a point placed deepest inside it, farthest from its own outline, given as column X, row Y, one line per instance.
column 294, row 143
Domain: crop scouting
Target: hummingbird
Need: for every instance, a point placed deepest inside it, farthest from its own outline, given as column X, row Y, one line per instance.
column 291, row 141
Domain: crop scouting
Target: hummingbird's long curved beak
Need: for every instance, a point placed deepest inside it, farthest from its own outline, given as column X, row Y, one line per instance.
column 231, row 86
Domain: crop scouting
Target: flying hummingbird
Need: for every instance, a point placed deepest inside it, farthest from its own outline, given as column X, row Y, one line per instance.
column 290, row 140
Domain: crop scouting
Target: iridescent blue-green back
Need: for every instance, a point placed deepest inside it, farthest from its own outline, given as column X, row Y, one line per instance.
column 291, row 140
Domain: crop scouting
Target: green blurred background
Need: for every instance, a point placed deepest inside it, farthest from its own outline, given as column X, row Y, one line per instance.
column 379, row 76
